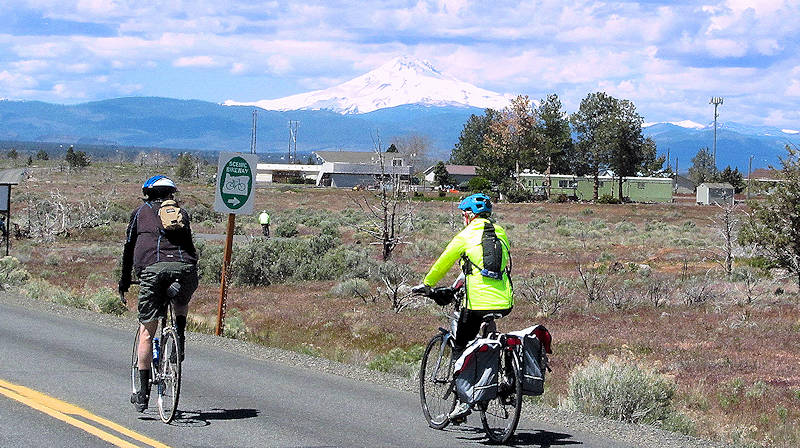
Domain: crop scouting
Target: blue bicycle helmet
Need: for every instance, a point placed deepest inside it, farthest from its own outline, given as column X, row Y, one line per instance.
column 158, row 186
column 477, row 204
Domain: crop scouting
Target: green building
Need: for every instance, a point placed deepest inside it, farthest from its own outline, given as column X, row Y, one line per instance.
column 636, row 189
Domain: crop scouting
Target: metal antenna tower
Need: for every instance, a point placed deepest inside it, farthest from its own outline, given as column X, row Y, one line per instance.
column 716, row 101
column 253, row 132
column 293, row 126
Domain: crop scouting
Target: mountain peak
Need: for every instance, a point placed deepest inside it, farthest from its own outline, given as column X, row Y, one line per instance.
column 402, row 80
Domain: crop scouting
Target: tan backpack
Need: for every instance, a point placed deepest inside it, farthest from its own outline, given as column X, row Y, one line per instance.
column 170, row 215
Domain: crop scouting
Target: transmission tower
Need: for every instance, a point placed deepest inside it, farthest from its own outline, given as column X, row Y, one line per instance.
column 716, row 101
column 253, row 132
column 293, row 126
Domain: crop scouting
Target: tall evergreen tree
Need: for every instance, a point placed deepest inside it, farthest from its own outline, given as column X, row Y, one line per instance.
column 440, row 175
column 703, row 168
column 733, row 177
column 593, row 124
column 557, row 147
column 469, row 148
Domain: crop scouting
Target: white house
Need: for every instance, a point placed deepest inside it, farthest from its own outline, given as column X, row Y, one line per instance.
column 715, row 193
column 460, row 173
column 339, row 169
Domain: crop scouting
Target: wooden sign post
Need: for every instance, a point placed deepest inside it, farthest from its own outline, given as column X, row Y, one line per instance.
column 233, row 195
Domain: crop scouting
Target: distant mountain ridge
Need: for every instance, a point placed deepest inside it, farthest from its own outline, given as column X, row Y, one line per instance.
column 201, row 125
column 401, row 81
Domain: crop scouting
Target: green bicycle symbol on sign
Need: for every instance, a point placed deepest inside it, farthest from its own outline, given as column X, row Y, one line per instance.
column 236, row 183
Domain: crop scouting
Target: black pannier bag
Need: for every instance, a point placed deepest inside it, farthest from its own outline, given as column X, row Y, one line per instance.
column 476, row 371
column 534, row 359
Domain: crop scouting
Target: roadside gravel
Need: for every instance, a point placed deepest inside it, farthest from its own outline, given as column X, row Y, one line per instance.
column 635, row 435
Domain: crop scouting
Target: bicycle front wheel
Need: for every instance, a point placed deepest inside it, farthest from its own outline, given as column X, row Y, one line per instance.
column 436, row 392
column 169, row 376
column 500, row 415
column 135, row 364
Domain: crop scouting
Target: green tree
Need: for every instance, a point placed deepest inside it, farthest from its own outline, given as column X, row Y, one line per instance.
column 733, row 177
column 42, row 155
column 773, row 226
column 593, row 124
column 609, row 134
column 469, row 150
column 557, row 147
column 76, row 159
column 186, row 168
column 630, row 152
column 440, row 175
column 703, row 168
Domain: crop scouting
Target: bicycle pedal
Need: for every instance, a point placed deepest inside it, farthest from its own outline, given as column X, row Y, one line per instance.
column 458, row 421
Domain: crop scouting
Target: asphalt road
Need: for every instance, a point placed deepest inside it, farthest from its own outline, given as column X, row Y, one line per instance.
column 228, row 398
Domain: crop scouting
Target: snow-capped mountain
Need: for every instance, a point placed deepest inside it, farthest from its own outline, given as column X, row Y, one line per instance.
column 745, row 129
column 401, row 81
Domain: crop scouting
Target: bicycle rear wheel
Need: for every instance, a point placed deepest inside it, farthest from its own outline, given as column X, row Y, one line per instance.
column 436, row 392
column 169, row 376
column 500, row 415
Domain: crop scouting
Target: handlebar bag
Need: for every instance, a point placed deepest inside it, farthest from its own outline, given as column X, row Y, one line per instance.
column 476, row 371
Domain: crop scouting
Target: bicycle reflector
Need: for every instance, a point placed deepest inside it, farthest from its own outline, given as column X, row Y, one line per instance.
column 544, row 337
column 512, row 341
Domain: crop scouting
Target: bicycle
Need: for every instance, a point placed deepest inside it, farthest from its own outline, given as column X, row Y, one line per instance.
column 437, row 386
column 165, row 364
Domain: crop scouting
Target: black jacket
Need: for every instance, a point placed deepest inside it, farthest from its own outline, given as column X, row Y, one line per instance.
column 148, row 243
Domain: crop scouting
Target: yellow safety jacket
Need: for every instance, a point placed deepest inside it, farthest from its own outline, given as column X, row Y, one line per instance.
column 483, row 292
column 263, row 218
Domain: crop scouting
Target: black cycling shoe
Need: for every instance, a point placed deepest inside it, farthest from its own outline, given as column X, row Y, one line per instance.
column 140, row 401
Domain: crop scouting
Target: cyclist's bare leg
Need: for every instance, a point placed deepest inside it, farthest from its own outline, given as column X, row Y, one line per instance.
column 180, row 325
column 145, row 351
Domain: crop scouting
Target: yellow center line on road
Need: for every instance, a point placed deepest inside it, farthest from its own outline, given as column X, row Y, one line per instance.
column 64, row 411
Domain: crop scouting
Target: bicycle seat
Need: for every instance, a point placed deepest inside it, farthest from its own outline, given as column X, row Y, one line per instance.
column 491, row 317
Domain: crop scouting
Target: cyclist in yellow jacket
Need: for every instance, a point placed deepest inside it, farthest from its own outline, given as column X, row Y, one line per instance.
column 483, row 249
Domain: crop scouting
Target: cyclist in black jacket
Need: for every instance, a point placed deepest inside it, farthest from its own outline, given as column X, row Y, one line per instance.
column 160, row 256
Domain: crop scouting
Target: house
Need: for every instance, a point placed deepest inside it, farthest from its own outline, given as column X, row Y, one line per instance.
column 339, row 169
column 684, row 185
column 715, row 193
column 460, row 173
column 636, row 189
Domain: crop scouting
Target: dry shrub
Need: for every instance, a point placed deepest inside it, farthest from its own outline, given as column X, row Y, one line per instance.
column 548, row 292
column 621, row 390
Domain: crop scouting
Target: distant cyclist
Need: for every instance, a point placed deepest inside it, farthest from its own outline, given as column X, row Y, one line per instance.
column 263, row 219
column 159, row 248
column 483, row 250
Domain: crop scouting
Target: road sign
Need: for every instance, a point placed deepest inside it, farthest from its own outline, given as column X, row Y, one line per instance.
column 235, row 183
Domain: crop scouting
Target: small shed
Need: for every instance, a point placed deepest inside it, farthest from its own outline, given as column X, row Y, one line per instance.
column 715, row 193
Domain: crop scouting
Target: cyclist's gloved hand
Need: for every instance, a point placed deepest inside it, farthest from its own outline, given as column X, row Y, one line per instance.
column 124, row 285
column 422, row 289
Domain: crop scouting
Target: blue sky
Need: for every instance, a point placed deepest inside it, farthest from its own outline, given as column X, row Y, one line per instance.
column 668, row 57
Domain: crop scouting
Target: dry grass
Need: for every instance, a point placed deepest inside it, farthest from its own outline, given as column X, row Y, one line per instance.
column 737, row 366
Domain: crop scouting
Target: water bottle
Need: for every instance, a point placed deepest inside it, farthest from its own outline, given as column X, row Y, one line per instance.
column 156, row 351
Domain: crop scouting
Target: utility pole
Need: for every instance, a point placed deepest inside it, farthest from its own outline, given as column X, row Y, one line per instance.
column 749, row 176
column 293, row 126
column 253, row 132
column 716, row 101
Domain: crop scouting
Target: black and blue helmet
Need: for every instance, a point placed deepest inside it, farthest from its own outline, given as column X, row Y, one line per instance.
column 477, row 204
column 158, row 186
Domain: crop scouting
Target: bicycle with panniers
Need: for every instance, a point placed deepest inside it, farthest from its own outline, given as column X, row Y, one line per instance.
column 492, row 374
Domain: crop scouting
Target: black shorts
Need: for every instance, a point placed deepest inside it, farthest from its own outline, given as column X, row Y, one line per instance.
column 153, row 283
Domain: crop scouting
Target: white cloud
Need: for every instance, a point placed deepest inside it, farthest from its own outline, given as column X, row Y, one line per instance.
column 196, row 61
